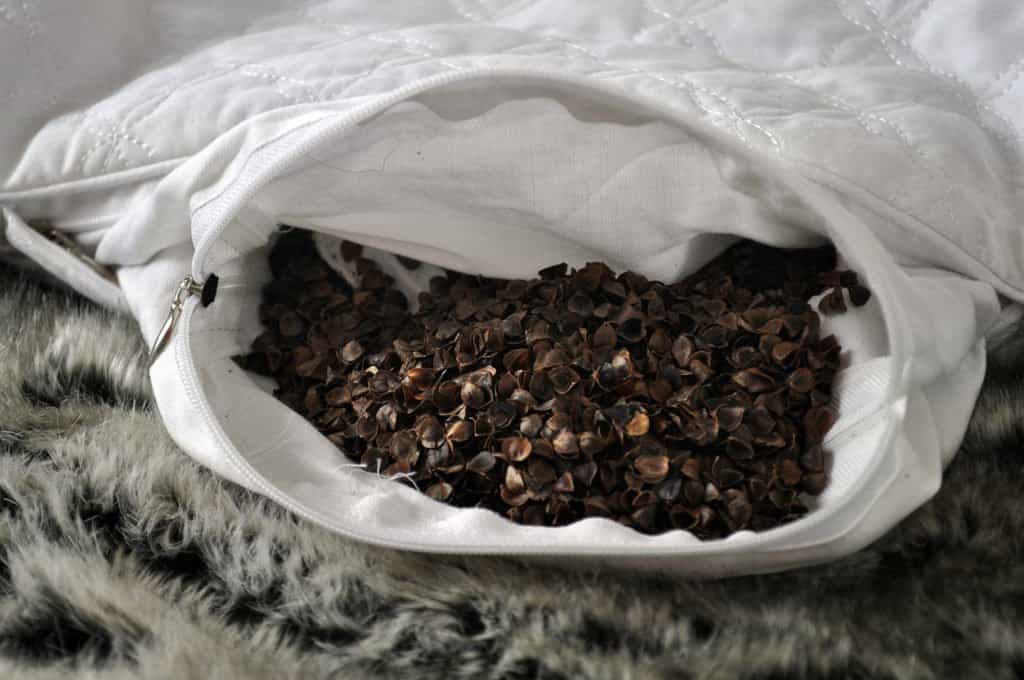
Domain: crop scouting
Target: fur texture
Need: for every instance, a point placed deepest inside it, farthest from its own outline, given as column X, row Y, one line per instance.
column 121, row 558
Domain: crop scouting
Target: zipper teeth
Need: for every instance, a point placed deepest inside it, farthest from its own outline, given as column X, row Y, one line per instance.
column 202, row 247
column 190, row 381
column 343, row 123
column 902, row 370
column 186, row 366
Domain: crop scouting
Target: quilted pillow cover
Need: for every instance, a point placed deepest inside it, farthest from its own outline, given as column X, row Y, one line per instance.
column 169, row 139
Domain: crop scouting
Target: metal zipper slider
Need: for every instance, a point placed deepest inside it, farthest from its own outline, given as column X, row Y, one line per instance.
column 187, row 288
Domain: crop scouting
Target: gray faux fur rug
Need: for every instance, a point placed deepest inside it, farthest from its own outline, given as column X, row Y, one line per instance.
column 120, row 557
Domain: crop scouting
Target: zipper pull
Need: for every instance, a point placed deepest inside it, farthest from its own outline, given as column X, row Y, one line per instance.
column 186, row 289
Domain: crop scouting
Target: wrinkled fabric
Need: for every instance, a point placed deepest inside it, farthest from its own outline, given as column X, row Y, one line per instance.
column 914, row 107
column 170, row 139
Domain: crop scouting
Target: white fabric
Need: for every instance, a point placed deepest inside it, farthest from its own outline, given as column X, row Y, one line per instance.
column 55, row 260
column 439, row 129
column 260, row 436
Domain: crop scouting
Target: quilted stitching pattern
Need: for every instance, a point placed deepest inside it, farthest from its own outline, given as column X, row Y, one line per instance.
column 787, row 77
column 694, row 44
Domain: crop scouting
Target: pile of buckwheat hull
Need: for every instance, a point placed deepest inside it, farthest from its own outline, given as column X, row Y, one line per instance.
column 700, row 405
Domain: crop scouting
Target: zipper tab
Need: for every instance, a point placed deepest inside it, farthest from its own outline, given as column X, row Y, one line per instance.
column 186, row 289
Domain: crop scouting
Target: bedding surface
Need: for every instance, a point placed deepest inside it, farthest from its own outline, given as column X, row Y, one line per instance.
column 120, row 557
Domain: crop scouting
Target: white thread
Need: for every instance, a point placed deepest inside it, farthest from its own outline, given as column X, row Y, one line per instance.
column 925, row 6
column 119, row 132
column 692, row 89
column 685, row 85
column 89, row 152
column 660, row 12
column 352, row 81
column 403, row 475
column 668, row 20
column 414, row 46
column 860, row 115
column 163, row 96
column 390, row 478
column 33, row 24
column 466, row 14
column 263, row 76
column 160, row 97
column 1017, row 66
column 116, row 135
column 928, row 67
column 6, row 14
column 420, row 49
column 715, row 45
column 361, row 466
column 511, row 7
column 113, row 148
column 270, row 74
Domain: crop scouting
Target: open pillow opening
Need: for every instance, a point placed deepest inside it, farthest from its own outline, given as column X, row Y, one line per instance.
column 503, row 181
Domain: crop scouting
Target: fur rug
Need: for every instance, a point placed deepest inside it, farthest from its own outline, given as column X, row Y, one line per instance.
column 120, row 557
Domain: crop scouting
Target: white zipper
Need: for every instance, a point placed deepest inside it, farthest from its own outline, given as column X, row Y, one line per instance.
column 186, row 289
column 190, row 290
column 190, row 381
column 202, row 247
column 182, row 309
